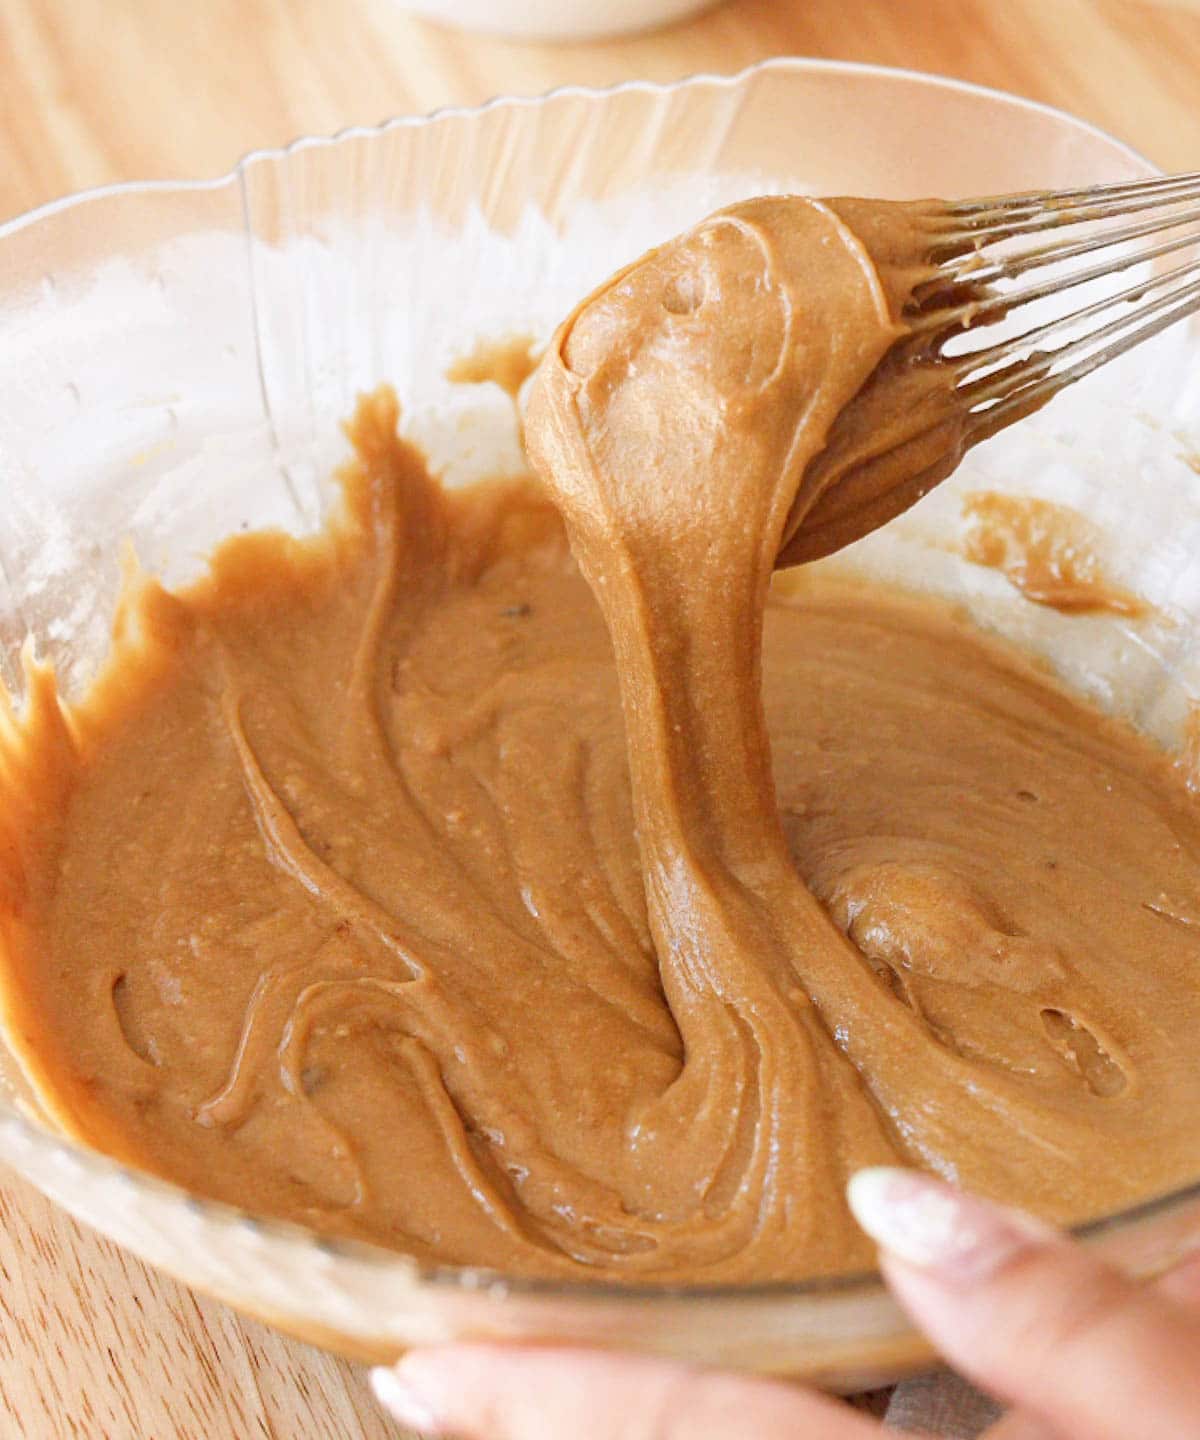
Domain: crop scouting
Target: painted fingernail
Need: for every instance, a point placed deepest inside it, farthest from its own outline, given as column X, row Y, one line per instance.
column 397, row 1394
column 929, row 1224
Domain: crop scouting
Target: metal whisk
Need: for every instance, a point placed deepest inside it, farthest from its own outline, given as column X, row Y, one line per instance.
column 1033, row 374
column 991, row 261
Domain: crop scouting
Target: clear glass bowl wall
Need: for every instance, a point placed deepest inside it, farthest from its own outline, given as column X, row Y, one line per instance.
column 176, row 360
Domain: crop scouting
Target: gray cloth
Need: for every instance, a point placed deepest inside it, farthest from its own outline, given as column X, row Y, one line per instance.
column 941, row 1404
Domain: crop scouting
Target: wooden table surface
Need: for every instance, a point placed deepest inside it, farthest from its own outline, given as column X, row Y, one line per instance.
column 92, row 1344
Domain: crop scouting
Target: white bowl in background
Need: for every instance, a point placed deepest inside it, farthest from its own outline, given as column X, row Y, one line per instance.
column 558, row 19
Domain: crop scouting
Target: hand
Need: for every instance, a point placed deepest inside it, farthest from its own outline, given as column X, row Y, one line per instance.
column 1078, row 1351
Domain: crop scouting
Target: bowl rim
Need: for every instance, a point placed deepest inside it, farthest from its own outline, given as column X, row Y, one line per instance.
column 477, row 1278
column 449, row 1278
column 797, row 64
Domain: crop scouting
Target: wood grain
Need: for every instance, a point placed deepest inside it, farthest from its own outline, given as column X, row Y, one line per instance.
column 92, row 1345
column 102, row 90
column 95, row 1346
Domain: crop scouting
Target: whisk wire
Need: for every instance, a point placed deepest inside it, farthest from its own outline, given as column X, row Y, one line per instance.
column 999, row 383
column 975, row 312
column 1160, row 189
column 992, row 354
column 1023, row 400
column 1009, row 267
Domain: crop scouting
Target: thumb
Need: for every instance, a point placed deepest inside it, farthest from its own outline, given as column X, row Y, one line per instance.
column 1031, row 1316
column 502, row 1392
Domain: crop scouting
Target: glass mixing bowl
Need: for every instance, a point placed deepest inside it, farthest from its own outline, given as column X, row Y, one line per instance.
column 177, row 359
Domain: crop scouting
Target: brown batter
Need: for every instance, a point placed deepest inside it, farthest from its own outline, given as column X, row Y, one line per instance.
column 1046, row 550
column 410, row 884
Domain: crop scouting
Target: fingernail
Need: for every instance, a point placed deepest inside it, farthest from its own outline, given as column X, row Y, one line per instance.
column 929, row 1224
column 397, row 1394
